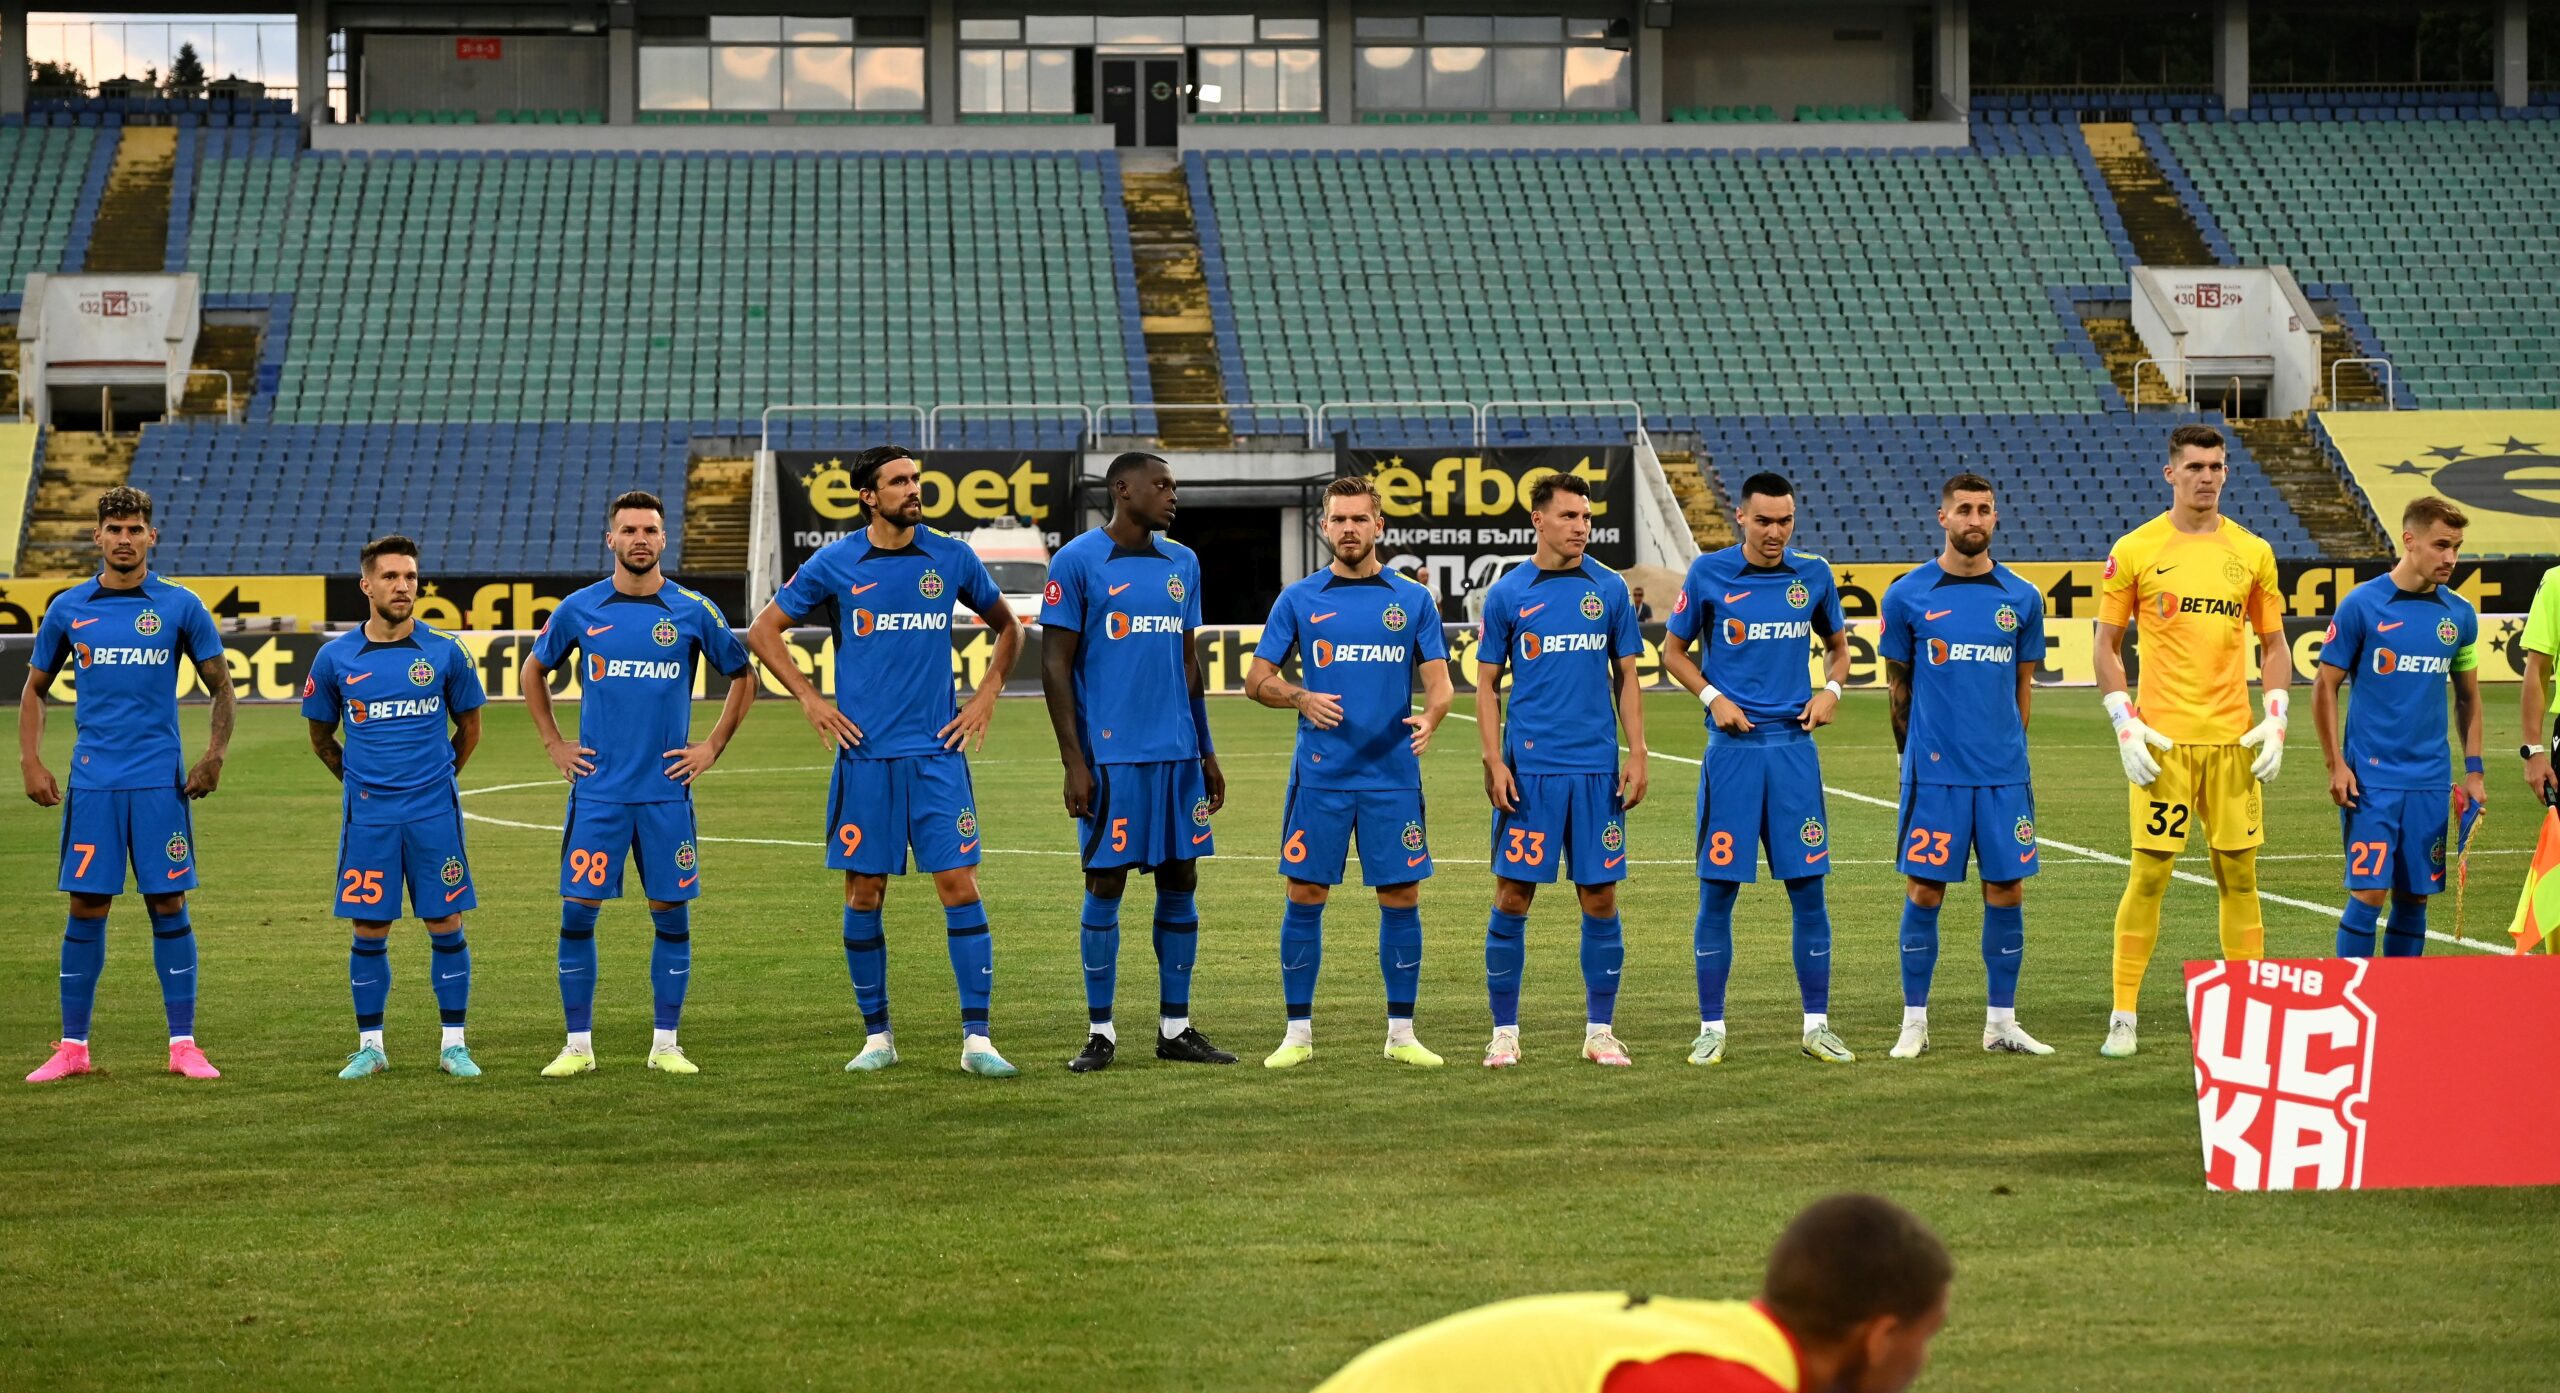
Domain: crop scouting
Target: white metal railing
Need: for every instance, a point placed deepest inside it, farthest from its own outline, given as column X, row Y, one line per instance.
column 2178, row 392
column 1103, row 413
column 933, row 418
column 230, row 413
column 1475, row 413
column 764, row 419
column 2389, row 377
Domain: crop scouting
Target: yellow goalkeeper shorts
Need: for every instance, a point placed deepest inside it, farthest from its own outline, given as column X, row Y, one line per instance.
column 2206, row 786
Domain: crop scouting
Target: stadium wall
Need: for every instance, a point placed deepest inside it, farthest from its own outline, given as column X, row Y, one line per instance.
column 1798, row 55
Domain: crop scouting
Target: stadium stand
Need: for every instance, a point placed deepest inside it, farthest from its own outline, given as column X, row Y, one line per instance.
column 45, row 170
column 2469, row 308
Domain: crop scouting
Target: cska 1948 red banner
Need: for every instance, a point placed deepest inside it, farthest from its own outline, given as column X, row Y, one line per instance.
column 2361, row 1074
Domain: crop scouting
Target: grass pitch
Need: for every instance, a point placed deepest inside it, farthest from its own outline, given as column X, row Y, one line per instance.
column 777, row 1221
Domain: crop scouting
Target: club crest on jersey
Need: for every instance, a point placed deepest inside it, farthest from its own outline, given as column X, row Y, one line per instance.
column 1393, row 619
column 422, row 673
column 967, row 823
column 1613, row 837
column 177, row 849
column 2006, row 618
column 2447, row 631
column 1811, row 834
column 686, row 858
column 2233, row 572
column 1591, row 606
column 452, row 872
column 147, row 623
column 1797, row 595
column 1413, row 836
column 929, row 585
column 2024, row 831
column 2435, row 854
column 663, row 633
column 1173, row 587
column 1200, row 812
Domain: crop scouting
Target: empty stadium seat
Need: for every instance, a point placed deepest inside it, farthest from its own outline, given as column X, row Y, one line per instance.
column 43, row 168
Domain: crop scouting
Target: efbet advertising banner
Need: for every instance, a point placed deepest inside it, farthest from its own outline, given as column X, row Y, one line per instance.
column 2360, row 1073
column 1454, row 518
column 2501, row 467
column 962, row 488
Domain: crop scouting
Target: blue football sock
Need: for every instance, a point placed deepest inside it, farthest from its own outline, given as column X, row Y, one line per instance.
column 866, row 955
column 2004, row 951
column 2355, row 928
column 451, row 963
column 1812, row 942
column 1301, row 955
column 1713, row 940
column 2406, row 935
column 670, row 964
column 1177, row 944
column 578, row 965
column 1504, row 949
column 84, row 954
column 1400, row 957
column 1604, row 955
column 369, row 978
column 1101, row 956
column 1920, row 951
column 973, row 962
column 173, row 953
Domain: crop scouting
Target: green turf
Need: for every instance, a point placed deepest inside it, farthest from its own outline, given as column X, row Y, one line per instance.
column 777, row 1221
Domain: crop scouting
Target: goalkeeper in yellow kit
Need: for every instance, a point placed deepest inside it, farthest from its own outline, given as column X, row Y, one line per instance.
column 2198, row 586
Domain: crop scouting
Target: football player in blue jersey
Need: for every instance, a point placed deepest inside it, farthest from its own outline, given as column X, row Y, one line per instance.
column 409, row 698
column 1126, row 698
column 1562, row 627
column 632, row 767
column 2398, row 641
column 1963, row 637
column 123, row 637
column 901, row 743
column 1362, row 634
column 1753, row 609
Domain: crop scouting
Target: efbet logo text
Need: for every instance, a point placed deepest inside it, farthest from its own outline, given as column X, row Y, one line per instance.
column 1462, row 486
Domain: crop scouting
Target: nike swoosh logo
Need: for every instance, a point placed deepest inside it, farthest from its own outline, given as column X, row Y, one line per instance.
column 1292, row 967
column 864, row 986
column 1937, row 614
column 986, row 972
column 365, row 983
column 180, row 971
column 1711, row 953
column 1412, row 861
column 595, row 629
column 2006, row 951
column 82, row 623
column 571, row 971
column 1915, row 948
column 2026, row 856
column 449, row 976
column 1533, row 609
column 1408, row 966
column 856, row 590
column 1613, row 972
column 969, row 846
column 1823, row 954
column 1612, row 863
column 1812, row 856
column 455, row 893
column 173, row 875
column 687, row 882
column 2162, row 570
column 1120, row 587
column 678, row 971
column 1093, row 971
column 73, row 974
column 2386, row 628
column 1320, row 618
column 1195, row 841
column 1737, row 597
column 355, row 677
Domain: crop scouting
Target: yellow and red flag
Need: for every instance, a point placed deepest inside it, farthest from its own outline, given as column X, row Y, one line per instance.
column 2537, row 920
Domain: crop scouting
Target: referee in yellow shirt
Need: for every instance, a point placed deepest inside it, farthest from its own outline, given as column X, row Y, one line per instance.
column 2198, row 586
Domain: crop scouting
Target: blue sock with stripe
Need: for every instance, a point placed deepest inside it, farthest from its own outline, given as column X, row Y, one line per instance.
column 173, row 955
column 973, row 962
column 1177, row 945
column 670, row 964
column 1400, row 957
column 1604, row 955
column 450, row 961
column 866, row 954
column 2004, row 951
column 84, row 956
column 1920, row 950
column 369, row 978
column 1505, row 947
column 1301, row 956
column 2355, row 928
column 1812, row 943
column 1713, row 940
column 1101, row 940
column 2406, row 935
column 578, row 965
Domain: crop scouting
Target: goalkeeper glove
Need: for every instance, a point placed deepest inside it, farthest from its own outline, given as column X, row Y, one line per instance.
column 2135, row 741
column 2267, row 738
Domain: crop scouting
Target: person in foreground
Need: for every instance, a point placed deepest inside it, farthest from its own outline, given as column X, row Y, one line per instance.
column 1856, row 1288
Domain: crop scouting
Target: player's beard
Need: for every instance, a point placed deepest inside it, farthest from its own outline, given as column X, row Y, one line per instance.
column 1354, row 551
column 394, row 612
column 623, row 558
column 1969, row 543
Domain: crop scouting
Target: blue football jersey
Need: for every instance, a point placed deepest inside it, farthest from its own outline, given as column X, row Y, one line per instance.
column 2399, row 651
column 635, row 690
column 1560, row 634
column 1359, row 641
column 893, row 632
column 1132, row 606
column 1761, row 621
column 121, row 649
column 395, row 700
column 1963, row 637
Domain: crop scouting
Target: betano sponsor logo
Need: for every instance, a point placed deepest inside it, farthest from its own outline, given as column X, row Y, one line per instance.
column 1327, row 654
column 99, row 655
column 361, row 712
column 1942, row 653
column 601, row 668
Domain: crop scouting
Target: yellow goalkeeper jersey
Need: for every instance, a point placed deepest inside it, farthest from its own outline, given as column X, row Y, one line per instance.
column 1570, row 1343
column 2199, row 601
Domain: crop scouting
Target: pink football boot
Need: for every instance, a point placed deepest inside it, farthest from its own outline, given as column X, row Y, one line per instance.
column 185, row 1058
column 68, row 1059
